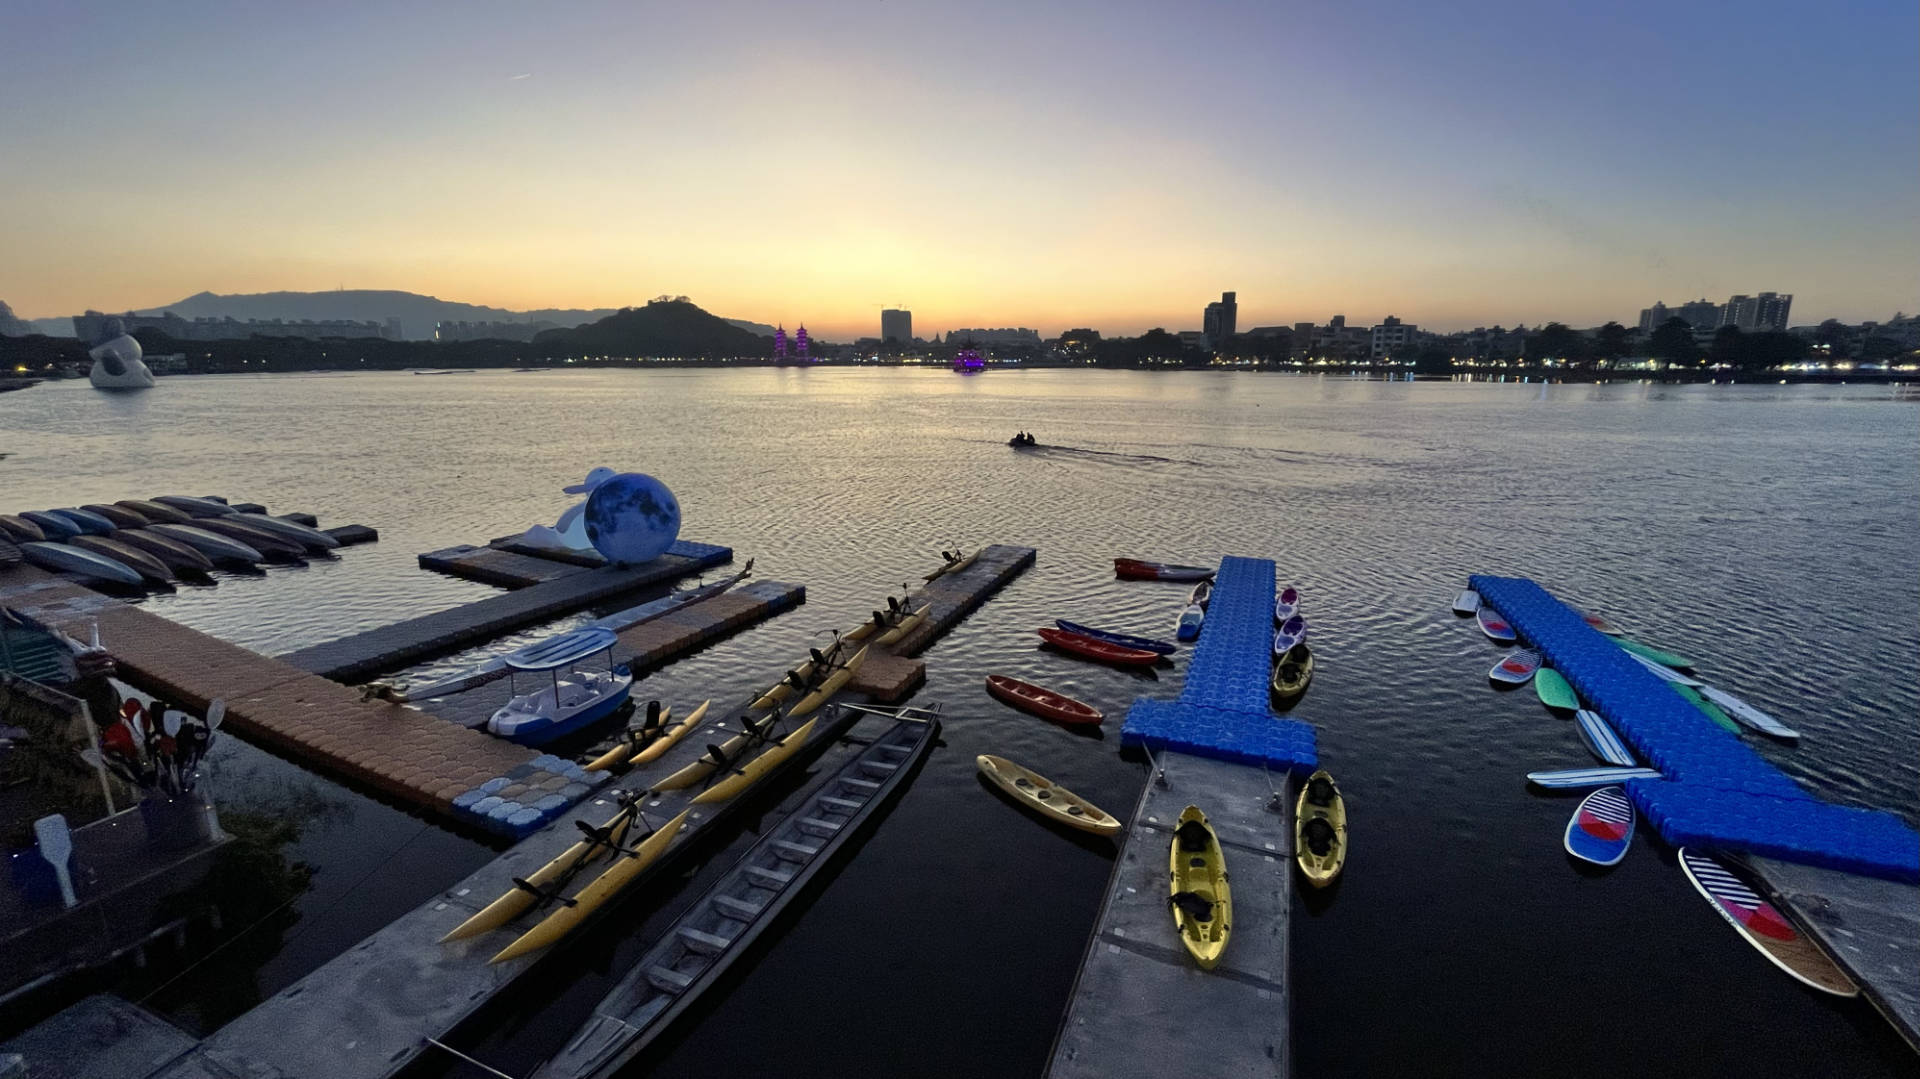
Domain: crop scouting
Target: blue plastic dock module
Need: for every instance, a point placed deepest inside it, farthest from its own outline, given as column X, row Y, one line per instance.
column 1792, row 829
column 1717, row 792
column 1222, row 713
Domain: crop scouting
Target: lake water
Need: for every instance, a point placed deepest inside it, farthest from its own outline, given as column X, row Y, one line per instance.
column 1769, row 532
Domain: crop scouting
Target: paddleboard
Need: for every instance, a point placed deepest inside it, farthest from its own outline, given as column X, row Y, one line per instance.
column 1707, row 708
column 1602, row 740
column 1748, row 714
column 1554, row 691
column 1494, row 626
column 1516, row 667
column 1658, row 655
column 1575, row 778
column 1763, row 926
column 1466, row 603
column 1601, row 624
column 1665, row 674
column 1602, row 827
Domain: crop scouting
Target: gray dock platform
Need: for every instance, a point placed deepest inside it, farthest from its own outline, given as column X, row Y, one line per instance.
column 1871, row 927
column 1141, row 1005
column 362, row 655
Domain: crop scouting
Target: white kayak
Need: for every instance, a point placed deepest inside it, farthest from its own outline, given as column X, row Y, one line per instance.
column 1748, row 714
column 1571, row 778
column 65, row 559
column 311, row 538
column 1466, row 602
column 213, row 545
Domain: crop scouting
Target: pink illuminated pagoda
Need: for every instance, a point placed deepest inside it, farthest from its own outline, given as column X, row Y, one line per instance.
column 780, row 342
column 800, row 344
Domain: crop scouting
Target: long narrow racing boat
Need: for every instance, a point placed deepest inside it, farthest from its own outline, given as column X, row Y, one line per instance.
column 1042, row 702
column 718, row 928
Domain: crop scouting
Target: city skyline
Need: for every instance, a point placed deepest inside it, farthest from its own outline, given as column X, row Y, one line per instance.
column 1079, row 175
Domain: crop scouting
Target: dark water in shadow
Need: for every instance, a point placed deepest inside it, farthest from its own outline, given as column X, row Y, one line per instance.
column 1766, row 531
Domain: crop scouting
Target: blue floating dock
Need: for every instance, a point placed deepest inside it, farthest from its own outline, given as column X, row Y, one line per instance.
column 1717, row 792
column 1222, row 712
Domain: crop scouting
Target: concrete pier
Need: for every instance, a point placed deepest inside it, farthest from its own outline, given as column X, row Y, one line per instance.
column 1871, row 927
column 1141, row 1005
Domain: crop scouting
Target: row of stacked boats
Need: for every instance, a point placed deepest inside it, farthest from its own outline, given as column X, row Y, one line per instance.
column 138, row 544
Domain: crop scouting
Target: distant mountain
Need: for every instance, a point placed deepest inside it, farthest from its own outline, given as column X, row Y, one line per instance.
column 417, row 313
column 760, row 328
column 661, row 328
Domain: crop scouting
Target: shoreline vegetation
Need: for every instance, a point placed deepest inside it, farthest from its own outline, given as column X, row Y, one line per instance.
column 675, row 332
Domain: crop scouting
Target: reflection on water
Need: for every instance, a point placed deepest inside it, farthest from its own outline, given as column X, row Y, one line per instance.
column 1767, row 531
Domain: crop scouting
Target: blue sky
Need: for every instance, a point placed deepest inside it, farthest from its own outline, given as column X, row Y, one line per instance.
column 1111, row 164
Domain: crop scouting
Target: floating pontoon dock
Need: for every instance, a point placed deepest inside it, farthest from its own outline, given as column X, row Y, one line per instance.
column 1846, row 874
column 1141, row 1006
column 368, row 1012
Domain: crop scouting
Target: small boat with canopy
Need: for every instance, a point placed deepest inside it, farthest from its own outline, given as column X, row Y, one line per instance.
column 573, row 698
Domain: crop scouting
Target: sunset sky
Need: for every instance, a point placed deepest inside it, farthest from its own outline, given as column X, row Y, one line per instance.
column 986, row 164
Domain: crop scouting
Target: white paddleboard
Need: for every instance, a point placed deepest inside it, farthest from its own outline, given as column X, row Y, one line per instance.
column 1747, row 713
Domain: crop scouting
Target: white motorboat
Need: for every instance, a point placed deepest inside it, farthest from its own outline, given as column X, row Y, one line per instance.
column 571, row 700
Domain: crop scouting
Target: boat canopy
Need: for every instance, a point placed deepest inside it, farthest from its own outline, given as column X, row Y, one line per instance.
column 569, row 647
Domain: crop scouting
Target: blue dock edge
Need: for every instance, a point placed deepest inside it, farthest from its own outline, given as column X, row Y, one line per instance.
column 529, row 797
column 1222, row 712
column 1716, row 792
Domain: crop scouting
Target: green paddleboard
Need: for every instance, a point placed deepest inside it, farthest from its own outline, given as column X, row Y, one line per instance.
column 1665, row 659
column 1554, row 690
column 1708, row 708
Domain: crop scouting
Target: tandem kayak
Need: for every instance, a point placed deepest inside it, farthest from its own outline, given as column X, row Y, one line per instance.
column 1042, row 702
column 1103, row 651
column 1132, row 569
column 1125, row 640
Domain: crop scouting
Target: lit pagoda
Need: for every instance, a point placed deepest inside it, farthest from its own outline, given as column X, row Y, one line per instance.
column 780, row 342
column 800, row 343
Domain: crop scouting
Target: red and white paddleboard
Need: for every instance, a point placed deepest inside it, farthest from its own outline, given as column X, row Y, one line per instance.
column 1493, row 625
column 1516, row 668
column 1764, row 927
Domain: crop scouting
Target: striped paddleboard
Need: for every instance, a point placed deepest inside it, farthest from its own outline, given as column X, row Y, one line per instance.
column 1494, row 626
column 1574, row 778
column 1516, row 667
column 1602, row 828
column 1764, row 927
column 1665, row 674
column 1602, row 740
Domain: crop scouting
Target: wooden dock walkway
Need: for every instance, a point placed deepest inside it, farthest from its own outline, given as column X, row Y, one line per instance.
column 390, row 647
column 1141, row 1005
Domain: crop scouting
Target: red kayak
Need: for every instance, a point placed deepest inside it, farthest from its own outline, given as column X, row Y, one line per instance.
column 1132, row 569
column 1103, row 651
column 1044, row 703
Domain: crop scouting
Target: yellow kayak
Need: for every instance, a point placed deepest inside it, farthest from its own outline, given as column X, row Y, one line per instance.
column 1320, row 830
column 517, row 900
column 907, row 625
column 589, row 899
column 627, row 738
column 759, row 766
column 1202, row 901
column 704, row 766
column 829, row 687
column 1291, row 673
column 1045, row 797
column 665, row 741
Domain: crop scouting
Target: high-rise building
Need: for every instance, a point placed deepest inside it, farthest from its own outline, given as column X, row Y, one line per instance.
column 1219, row 319
column 1703, row 315
column 896, row 325
column 1652, row 317
column 1767, row 311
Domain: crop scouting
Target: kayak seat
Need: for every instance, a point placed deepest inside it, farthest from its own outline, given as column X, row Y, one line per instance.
column 1319, row 836
column 1192, row 836
column 1320, row 793
column 1193, row 905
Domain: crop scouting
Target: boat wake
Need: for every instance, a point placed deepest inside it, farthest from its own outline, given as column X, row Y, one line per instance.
column 1046, row 449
